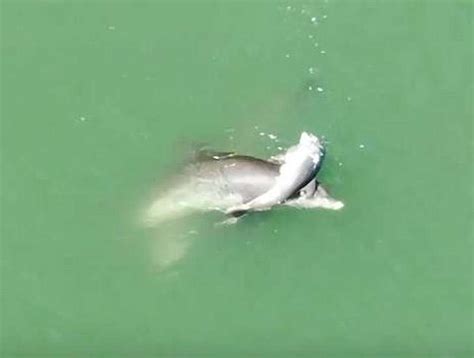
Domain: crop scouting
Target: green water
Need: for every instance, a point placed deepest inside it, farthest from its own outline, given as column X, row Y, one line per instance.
column 99, row 98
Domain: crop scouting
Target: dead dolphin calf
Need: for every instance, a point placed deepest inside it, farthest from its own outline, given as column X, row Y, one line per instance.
column 237, row 184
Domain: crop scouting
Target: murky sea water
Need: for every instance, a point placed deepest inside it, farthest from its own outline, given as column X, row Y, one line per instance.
column 101, row 101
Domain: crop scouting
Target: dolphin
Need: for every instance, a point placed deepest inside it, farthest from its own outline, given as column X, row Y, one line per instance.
column 238, row 184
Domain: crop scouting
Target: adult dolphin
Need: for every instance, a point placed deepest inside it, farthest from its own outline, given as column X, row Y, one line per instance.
column 237, row 184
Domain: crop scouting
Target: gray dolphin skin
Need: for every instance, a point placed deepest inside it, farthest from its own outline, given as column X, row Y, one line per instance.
column 248, row 176
column 238, row 184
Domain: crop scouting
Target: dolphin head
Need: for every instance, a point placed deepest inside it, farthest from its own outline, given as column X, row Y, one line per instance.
column 311, row 145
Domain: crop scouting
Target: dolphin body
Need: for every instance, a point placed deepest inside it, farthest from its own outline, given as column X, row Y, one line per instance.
column 237, row 184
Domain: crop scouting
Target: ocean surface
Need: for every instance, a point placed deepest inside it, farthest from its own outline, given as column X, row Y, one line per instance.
column 101, row 101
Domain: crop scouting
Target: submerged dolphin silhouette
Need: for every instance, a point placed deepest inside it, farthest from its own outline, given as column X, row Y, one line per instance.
column 237, row 184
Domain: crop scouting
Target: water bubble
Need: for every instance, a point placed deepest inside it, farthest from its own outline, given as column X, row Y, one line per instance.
column 319, row 89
